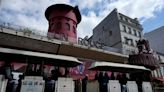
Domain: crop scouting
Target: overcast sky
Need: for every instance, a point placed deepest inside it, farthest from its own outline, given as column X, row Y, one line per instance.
column 30, row 13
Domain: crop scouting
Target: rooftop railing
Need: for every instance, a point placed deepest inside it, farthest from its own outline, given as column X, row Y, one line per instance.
column 51, row 36
column 22, row 29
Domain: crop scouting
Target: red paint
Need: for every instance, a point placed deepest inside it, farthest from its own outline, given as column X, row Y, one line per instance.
column 63, row 20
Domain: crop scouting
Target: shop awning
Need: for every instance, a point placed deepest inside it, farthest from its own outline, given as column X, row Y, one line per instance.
column 116, row 67
column 159, row 79
column 59, row 60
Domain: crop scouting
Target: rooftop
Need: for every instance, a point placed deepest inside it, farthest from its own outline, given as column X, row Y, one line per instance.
column 63, row 7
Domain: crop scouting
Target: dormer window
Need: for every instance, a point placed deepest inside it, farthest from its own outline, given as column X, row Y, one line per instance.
column 124, row 28
column 121, row 18
column 129, row 30
column 126, row 19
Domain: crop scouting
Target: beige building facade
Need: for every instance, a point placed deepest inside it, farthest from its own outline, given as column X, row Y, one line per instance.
column 119, row 31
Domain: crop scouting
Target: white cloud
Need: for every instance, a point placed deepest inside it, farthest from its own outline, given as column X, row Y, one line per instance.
column 87, row 24
column 31, row 12
column 142, row 9
column 87, row 4
column 27, row 12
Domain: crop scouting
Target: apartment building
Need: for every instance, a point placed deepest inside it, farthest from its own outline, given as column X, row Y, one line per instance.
column 119, row 31
column 156, row 42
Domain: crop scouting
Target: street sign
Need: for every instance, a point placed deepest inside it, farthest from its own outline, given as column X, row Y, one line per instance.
column 132, row 86
column 3, row 83
column 33, row 84
column 114, row 86
column 64, row 85
column 146, row 87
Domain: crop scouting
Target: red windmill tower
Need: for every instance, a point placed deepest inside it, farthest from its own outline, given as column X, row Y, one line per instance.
column 63, row 20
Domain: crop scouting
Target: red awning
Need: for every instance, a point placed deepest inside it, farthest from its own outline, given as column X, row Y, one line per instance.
column 159, row 79
column 145, row 59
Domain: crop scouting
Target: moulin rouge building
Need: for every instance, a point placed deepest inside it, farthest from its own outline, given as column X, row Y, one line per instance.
column 19, row 48
column 63, row 21
column 61, row 39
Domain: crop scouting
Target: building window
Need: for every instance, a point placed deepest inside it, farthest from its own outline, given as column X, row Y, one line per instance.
column 52, row 26
column 74, row 29
column 124, row 28
column 131, row 42
column 103, row 28
column 67, row 19
column 159, row 58
column 130, row 32
column 67, row 26
column 110, row 33
column 126, row 40
column 129, row 21
column 136, row 43
column 135, row 32
column 126, row 19
column 121, row 18
column 139, row 33
column 58, row 25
